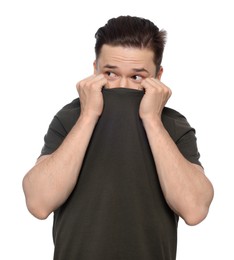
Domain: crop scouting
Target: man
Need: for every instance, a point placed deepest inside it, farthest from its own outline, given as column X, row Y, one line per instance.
column 118, row 168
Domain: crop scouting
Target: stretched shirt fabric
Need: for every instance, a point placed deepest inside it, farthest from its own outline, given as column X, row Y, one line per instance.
column 117, row 210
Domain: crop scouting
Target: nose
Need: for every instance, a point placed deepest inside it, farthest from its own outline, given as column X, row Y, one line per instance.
column 123, row 83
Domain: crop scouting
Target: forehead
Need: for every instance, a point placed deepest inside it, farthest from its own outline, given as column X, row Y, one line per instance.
column 120, row 54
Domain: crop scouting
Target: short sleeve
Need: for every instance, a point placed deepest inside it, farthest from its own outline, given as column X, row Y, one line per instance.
column 183, row 135
column 60, row 126
column 187, row 145
column 54, row 137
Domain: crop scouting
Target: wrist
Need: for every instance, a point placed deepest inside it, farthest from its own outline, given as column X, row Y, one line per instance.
column 88, row 119
column 154, row 123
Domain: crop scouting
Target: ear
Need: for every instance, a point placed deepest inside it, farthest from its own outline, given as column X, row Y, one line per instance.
column 95, row 67
column 160, row 72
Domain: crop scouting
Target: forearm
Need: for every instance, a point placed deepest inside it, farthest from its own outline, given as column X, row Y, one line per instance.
column 186, row 189
column 49, row 183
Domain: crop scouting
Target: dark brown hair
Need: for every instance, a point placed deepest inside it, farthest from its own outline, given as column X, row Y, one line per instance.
column 131, row 31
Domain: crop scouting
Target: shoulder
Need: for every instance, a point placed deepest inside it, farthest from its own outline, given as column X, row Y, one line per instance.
column 171, row 115
column 72, row 107
column 175, row 123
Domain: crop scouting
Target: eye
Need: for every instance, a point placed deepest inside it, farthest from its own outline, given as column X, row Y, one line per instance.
column 110, row 74
column 137, row 78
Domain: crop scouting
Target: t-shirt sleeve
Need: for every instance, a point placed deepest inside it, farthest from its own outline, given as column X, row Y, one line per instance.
column 183, row 134
column 54, row 136
column 187, row 145
column 60, row 126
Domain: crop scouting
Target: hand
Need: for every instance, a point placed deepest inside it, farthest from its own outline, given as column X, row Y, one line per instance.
column 90, row 94
column 155, row 98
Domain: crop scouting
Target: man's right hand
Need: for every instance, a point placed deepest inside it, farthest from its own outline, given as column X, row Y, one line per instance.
column 49, row 183
column 90, row 94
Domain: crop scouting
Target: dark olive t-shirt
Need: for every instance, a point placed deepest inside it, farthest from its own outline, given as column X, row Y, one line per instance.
column 117, row 210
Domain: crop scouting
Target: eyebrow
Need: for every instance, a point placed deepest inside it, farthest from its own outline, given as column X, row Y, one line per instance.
column 108, row 66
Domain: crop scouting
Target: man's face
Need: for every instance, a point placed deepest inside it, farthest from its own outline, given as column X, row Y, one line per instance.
column 125, row 67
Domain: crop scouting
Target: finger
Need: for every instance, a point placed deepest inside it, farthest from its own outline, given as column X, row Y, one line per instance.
column 98, row 82
column 93, row 81
column 150, row 83
column 84, row 81
column 156, row 84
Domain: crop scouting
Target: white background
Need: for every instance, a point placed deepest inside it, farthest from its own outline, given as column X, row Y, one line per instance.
column 47, row 46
